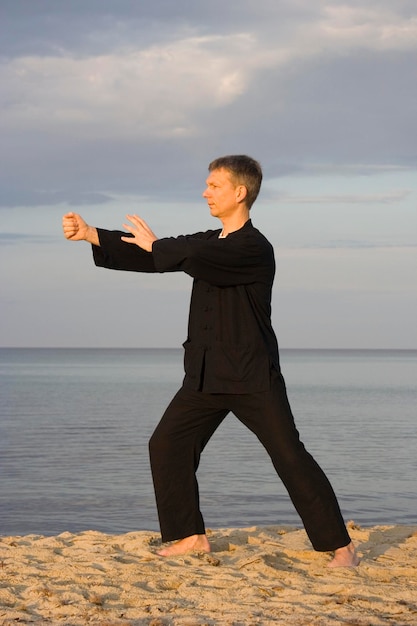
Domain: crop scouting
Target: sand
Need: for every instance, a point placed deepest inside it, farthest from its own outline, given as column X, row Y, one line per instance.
column 261, row 575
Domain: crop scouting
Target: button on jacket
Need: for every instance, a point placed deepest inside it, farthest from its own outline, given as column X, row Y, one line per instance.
column 231, row 346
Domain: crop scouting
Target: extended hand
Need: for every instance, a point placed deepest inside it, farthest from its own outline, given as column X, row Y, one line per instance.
column 142, row 234
column 76, row 229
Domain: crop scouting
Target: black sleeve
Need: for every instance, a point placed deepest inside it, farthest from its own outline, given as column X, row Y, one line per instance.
column 115, row 254
column 236, row 260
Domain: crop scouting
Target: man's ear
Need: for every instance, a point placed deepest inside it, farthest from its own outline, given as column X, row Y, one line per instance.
column 241, row 193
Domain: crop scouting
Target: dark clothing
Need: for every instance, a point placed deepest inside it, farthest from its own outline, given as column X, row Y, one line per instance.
column 186, row 427
column 230, row 337
column 231, row 365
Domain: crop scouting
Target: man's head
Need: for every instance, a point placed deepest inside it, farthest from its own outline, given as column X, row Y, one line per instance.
column 243, row 171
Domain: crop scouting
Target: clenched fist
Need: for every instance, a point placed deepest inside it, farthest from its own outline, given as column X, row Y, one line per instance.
column 76, row 229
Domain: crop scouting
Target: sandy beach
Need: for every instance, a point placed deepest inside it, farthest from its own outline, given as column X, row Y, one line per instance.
column 260, row 575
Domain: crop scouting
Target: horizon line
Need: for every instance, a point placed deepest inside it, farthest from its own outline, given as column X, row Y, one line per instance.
column 385, row 349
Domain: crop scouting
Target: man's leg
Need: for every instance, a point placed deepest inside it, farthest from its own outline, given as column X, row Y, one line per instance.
column 175, row 448
column 269, row 416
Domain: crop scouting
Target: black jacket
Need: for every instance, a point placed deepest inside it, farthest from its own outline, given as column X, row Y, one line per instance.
column 231, row 345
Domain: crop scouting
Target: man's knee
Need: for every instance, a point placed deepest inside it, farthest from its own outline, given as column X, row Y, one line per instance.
column 161, row 444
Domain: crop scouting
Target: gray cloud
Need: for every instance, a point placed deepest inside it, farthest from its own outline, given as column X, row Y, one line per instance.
column 24, row 197
column 21, row 238
column 358, row 244
column 47, row 26
column 128, row 101
column 135, row 97
column 54, row 26
column 389, row 197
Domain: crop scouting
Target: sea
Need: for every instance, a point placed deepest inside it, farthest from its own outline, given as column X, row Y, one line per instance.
column 75, row 425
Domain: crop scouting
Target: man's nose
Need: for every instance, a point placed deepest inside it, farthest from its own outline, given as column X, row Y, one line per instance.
column 206, row 193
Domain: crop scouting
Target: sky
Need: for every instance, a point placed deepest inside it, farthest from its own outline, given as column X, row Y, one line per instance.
column 109, row 107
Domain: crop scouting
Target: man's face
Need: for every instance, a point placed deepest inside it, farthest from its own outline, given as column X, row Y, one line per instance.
column 222, row 193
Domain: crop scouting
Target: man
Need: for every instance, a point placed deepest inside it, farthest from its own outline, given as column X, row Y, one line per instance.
column 231, row 360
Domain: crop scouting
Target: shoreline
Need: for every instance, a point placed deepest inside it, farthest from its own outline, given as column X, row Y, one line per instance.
column 258, row 575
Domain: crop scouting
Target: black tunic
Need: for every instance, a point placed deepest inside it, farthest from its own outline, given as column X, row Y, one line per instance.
column 231, row 345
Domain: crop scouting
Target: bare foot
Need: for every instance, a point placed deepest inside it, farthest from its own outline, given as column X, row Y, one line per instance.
column 345, row 557
column 193, row 543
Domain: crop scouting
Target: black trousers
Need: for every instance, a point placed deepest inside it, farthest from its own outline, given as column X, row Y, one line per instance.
column 186, row 427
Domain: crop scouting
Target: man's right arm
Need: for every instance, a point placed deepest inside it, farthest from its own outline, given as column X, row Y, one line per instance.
column 76, row 229
column 109, row 248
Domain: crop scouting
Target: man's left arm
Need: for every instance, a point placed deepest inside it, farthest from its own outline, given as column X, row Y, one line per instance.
column 241, row 258
column 235, row 260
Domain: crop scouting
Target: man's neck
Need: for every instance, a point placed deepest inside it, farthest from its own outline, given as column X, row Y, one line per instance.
column 235, row 222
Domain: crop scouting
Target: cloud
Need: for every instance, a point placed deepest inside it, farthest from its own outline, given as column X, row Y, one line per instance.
column 160, row 89
column 367, row 27
column 388, row 197
column 120, row 103
column 357, row 244
column 131, row 94
column 91, row 27
column 22, row 197
column 21, row 238
column 355, row 169
column 96, row 102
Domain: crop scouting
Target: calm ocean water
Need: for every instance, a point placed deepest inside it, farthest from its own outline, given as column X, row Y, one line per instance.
column 74, row 427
